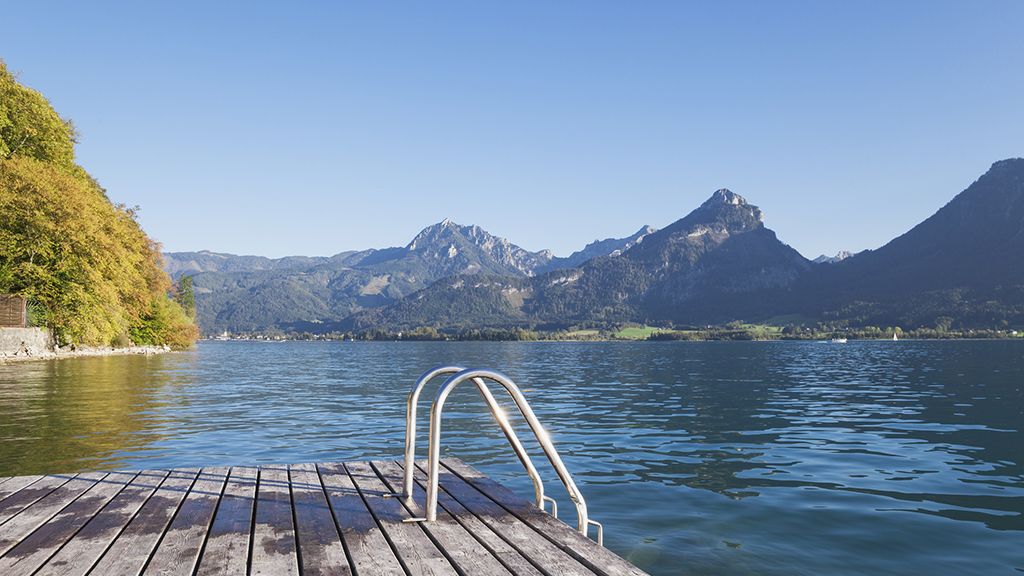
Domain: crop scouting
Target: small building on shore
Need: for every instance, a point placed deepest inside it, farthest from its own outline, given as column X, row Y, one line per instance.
column 13, row 311
column 16, row 337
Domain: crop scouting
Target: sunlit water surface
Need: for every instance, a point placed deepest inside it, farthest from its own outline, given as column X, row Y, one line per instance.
column 699, row 458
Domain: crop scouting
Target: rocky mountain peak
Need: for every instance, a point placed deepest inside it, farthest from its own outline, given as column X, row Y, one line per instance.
column 725, row 210
column 468, row 249
column 726, row 196
column 607, row 247
column 442, row 232
column 839, row 257
column 636, row 238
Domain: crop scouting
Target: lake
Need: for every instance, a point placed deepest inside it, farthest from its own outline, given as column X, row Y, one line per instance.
column 698, row 457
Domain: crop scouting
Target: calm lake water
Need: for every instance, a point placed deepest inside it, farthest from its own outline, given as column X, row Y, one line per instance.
column 699, row 458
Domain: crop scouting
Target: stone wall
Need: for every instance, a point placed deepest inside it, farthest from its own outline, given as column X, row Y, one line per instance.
column 24, row 341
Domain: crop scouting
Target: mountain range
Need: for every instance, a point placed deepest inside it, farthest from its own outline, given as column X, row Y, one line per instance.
column 254, row 293
column 963, row 266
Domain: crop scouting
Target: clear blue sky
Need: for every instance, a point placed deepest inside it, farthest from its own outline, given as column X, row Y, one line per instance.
column 312, row 128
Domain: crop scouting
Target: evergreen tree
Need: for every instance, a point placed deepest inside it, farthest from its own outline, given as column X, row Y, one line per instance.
column 185, row 295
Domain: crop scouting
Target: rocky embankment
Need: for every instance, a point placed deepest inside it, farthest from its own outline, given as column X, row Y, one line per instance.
column 79, row 352
column 22, row 344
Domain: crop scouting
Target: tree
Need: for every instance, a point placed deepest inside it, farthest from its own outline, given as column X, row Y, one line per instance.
column 185, row 295
column 30, row 127
column 83, row 260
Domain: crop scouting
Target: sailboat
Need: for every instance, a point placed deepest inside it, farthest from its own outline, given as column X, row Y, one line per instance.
column 894, row 338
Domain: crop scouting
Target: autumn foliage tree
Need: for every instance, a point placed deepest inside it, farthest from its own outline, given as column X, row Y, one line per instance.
column 83, row 260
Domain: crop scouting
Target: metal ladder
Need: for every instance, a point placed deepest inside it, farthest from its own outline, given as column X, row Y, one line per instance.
column 457, row 375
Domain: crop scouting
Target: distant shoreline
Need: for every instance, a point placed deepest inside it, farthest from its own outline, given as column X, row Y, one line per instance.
column 623, row 340
column 734, row 331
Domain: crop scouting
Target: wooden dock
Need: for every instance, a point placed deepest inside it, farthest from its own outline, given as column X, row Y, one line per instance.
column 332, row 518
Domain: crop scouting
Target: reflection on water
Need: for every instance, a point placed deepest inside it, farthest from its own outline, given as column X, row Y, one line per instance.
column 65, row 416
column 725, row 458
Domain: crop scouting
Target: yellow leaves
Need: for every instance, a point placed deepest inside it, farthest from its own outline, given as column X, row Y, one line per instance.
column 166, row 323
column 30, row 127
column 64, row 245
column 84, row 259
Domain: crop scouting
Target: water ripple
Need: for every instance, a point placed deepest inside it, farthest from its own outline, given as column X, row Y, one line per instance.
column 723, row 458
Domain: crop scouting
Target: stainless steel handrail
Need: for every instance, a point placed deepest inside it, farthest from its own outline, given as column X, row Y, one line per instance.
column 434, row 457
column 496, row 411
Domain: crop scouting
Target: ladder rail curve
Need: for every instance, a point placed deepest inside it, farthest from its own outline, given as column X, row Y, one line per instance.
column 434, row 450
column 496, row 411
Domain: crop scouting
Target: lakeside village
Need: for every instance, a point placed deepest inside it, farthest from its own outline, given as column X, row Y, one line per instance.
column 730, row 332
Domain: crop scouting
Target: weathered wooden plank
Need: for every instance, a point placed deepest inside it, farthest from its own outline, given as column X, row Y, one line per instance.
column 310, row 519
column 468, row 554
column 34, row 516
column 131, row 550
column 179, row 550
column 367, row 547
column 412, row 545
column 273, row 542
column 89, row 544
column 595, row 557
column 15, row 484
column 512, row 558
column 227, row 545
column 517, row 533
column 320, row 547
column 31, row 492
column 3, row 481
column 36, row 548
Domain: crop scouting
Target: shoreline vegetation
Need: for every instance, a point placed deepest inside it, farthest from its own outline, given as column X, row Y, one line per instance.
column 89, row 273
column 636, row 333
